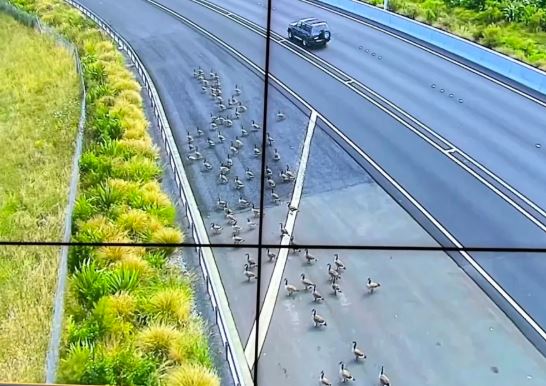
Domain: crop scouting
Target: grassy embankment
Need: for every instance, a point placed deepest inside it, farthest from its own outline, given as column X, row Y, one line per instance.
column 129, row 313
column 39, row 112
column 516, row 28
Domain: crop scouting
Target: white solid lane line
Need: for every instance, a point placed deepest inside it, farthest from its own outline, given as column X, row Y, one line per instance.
column 266, row 313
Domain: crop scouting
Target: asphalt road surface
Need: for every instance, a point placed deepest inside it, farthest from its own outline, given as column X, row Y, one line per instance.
column 472, row 212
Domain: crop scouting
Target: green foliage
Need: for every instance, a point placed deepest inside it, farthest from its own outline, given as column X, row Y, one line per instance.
column 90, row 283
column 122, row 280
column 170, row 305
column 192, row 375
column 167, row 236
column 491, row 36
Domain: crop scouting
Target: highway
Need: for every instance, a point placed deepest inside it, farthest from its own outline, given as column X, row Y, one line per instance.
column 472, row 212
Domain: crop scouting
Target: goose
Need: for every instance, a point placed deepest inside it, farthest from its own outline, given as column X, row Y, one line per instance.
column 251, row 262
column 228, row 122
column 221, row 204
column 290, row 289
column 221, row 121
column 251, row 224
column 317, row 319
column 335, row 287
column 206, row 165
column 284, row 176
column 255, row 211
column 216, row 228
column 189, row 137
column 229, row 161
column 289, row 173
column 191, row 147
column 233, row 149
column 221, row 137
column 235, row 229
column 241, row 108
column 227, row 211
column 358, row 353
column 339, row 264
column 237, row 239
column 271, row 255
column 249, row 274
column 203, row 90
column 257, row 151
column 212, row 74
column 383, row 379
column 197, row 153
column 306, row 282
column 295, row 247
column 248, row 174
column 205, row 83
column 284, row 231
column 271, row 183
column 197, row 72
column 192, row 157
column 210, row 142
column 219, row 100
column 244, row 132
column 275, row 197
column 270, row 139
column 224, row 169
column 213, row 126
column 222, row 107
column 200, row 132
column 310, row 258
column 255, row 126
column 345, row 374
column 237, row 91
column 323, row 380
column 222, row 179
column 292, row 208
column 243, row 203
column 231, row 218
column 372, row 285
column 280, row 116
column 332, row 272
column 317, row 297
column 200, row 77
column 237, row 114
column 268, row 171
column 238, row 183
column 276, row 156
column 238, row 143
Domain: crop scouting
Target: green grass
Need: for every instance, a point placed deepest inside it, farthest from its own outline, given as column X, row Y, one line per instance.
column 39, row 112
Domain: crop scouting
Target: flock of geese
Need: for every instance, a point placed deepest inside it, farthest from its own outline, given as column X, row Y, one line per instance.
column 223, row 130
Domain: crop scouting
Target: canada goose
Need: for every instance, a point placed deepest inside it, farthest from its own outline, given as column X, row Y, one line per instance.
column 206, row 165
column 268, row 171
column 243, row 203
column 255, row 126
column 221, row 121
column 255, row 211
column 244, row 132
column 189, row 137
column 216, row 228
column 205, row 82
column 284, row 176
column 276, row 155
column 372, row 285
column 221, row 204
column 237, row 239
column 222, row 107
column 317, row 319
column 317, row 297
column 271, row 255
column 292, row 208
column 339, row 264
column 237, row 91
column 335, row 287
column 332, row 272
column 323, row 380
column 212, row 74
column 280, row 116
column 222, row 179
column 199, row 132
column 345, row 374
column 249, row 274
column 271, row 183
column 306, row 282
column 248, row 174
column 224, row 169
column 219, row 99
column 228, row 123
column 270, row 139
column 213, row 126
column 275, row 197
column 233, row 149
column 295, row 247
column 221, row 137
column 284, row 231
column 383, row 379
column 197, row 72
column 238, row 183
column 192, row 157
column 229, row 161
column 251, row 224
column 203, row 90
column 310, row 258
column 231, row 219
column 289, row 173
column 241, row 108
column 251, row 262
column 197, row 154
column 227, row 211
column 257, row 151
column 358, row 353
column 289, row 287
column 235, row 229
column 191, row 147
column 236, row 114
column 238, row 143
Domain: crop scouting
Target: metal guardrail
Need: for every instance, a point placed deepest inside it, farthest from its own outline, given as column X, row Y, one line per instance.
column 240, row 374
column 508, row 67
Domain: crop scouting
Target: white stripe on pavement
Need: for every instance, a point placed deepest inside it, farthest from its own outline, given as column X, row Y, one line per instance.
column 266, row 312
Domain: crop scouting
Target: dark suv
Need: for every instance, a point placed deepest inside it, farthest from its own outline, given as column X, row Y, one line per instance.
column 310, row 32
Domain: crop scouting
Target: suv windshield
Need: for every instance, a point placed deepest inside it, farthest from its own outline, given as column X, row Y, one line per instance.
column 318, row 28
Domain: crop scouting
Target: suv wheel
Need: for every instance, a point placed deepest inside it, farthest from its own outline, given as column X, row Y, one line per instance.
column 304, row 42
column 290, row 36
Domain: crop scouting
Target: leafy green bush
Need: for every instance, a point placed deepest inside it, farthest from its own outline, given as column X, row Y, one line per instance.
column 191, row 375
column 170, row 305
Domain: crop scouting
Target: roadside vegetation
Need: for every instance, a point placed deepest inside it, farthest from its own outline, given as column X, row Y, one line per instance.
column 128, row 318
column 516, row 28
column 39, row 112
